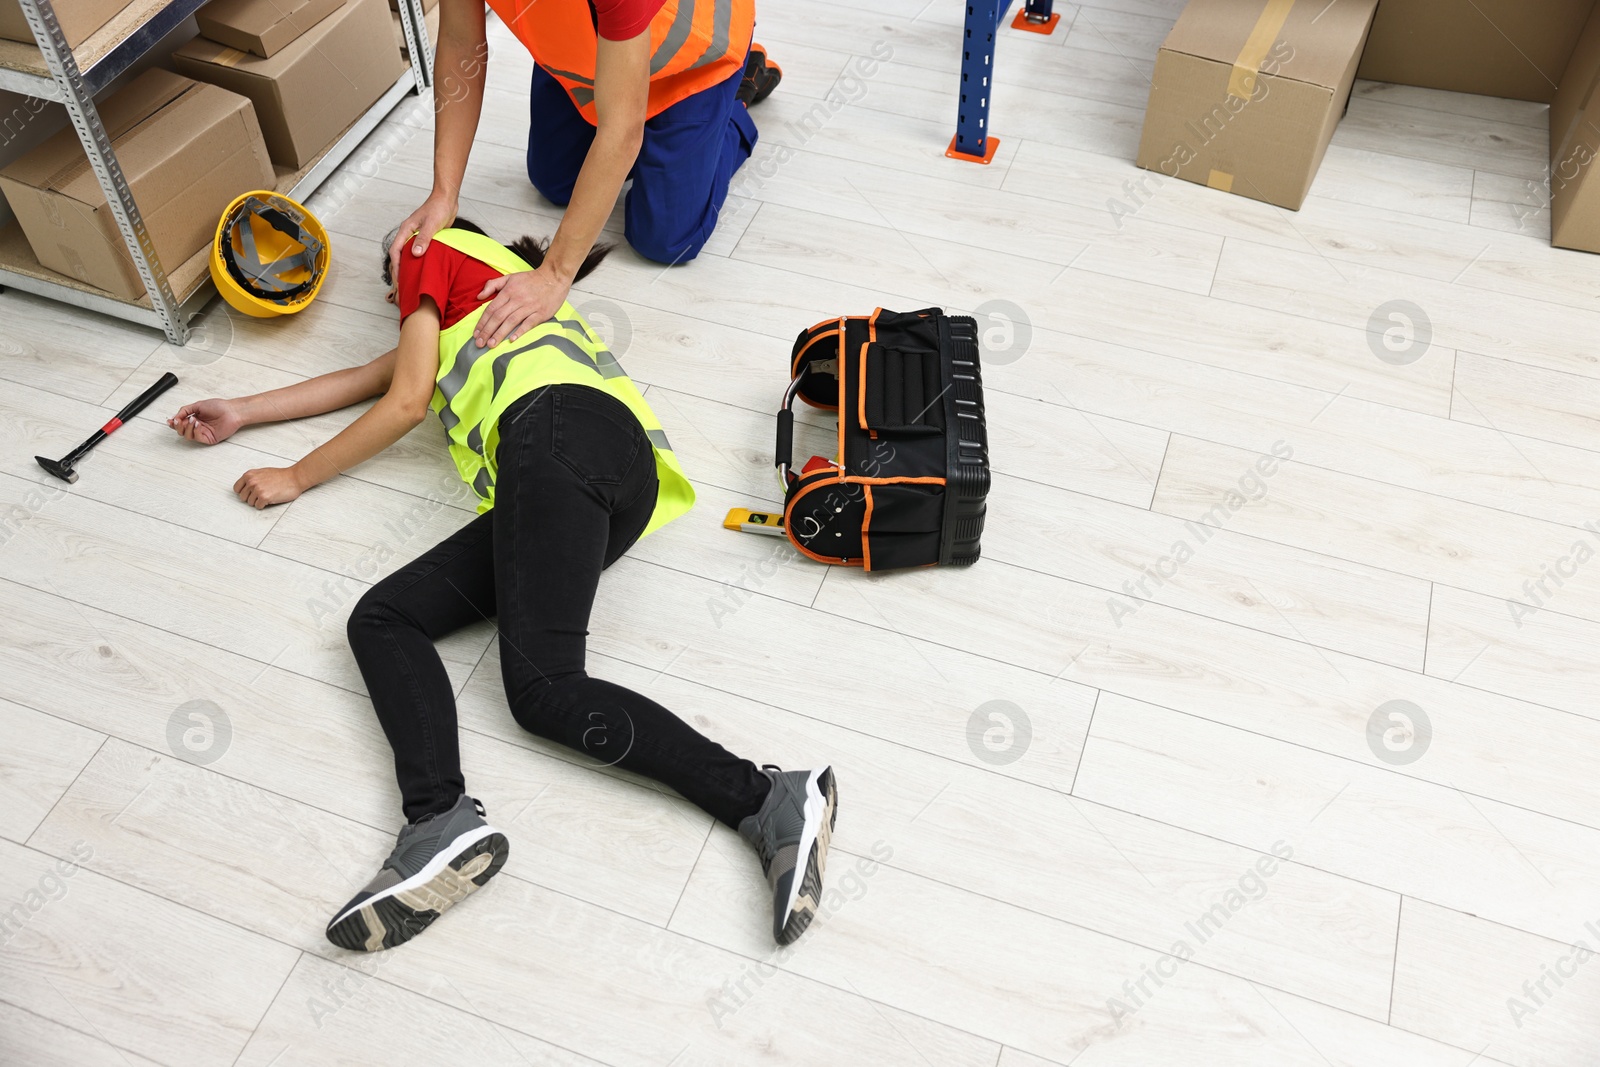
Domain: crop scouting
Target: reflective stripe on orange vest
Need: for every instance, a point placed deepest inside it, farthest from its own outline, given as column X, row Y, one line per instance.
column 694, row 44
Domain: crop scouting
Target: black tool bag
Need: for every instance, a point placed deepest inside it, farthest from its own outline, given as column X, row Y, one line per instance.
column 908, row 484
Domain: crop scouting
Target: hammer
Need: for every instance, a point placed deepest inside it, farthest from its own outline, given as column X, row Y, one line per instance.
column 62, row 468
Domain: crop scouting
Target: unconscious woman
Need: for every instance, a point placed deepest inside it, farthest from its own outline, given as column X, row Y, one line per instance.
column 571, row 468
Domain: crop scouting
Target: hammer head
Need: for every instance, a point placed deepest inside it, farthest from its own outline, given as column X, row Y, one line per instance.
column 57, row 468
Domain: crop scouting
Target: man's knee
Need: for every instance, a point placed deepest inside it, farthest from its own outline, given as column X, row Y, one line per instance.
column 658, row 243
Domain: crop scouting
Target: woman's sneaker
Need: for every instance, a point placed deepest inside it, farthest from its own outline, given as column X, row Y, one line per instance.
column 790, row 834
column 437, row 861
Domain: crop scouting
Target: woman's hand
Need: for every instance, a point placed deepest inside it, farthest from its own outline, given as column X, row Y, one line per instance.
column 265, row 486
column 436, row 213
column 207, row 421
column 521, row 301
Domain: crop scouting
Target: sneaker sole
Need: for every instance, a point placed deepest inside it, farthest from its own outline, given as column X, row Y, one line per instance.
column 401, row 912
column 806, row 901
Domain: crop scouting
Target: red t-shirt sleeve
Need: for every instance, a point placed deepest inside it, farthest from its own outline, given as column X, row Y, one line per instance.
column 429, row 274
column 454, row 280
column 620, row 20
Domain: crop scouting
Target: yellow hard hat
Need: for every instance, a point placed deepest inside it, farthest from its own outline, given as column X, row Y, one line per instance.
column 270, row 255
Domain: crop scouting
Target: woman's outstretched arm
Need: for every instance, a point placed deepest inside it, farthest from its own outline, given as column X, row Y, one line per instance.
column 210, row 421
column 397, row 413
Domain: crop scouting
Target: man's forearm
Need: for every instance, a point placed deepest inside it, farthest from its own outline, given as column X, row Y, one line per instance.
column 460, row 69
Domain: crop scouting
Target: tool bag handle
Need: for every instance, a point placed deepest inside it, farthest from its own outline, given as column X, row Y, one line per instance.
column 784, row 456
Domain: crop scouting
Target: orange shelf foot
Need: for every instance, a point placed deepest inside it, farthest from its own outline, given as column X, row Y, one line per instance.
column 1048, row 26
column 990, row 144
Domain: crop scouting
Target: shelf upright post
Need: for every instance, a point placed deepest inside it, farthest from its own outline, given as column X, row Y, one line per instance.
column 971, row 141
column 79, row 102
column 417, row 44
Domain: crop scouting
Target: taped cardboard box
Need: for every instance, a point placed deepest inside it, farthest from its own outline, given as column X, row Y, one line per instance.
column 1574, row 146
column 261, row 27
column 79, row 19
column 1511, row 48
column 1247, row 93
column 307, row 94
column 186, row 150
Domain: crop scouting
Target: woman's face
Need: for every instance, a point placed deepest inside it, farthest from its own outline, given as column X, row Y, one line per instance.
column 390, row 296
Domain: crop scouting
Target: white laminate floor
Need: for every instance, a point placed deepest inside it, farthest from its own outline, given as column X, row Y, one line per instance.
column 1235, row 543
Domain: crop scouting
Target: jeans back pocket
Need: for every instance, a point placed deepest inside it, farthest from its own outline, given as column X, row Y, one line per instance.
column 594, row 434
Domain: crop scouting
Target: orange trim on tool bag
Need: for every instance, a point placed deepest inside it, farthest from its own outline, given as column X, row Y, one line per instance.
column 861, row 386
column 866, row 528
column 788, row 527
column 858, row 480
column 794, row 365
column 816, row 403
column 843, row 371
column 861, row 394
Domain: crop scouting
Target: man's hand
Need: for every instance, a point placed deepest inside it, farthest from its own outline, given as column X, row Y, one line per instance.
column 207, row 421
column 265, row 486
column 521, row 301
column 436, row 213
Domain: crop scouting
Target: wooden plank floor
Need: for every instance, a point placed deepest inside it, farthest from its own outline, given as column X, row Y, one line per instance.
column 1231, row 536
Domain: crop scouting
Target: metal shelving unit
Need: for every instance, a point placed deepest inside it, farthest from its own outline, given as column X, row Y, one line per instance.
column 71, row 77
column 972, row 141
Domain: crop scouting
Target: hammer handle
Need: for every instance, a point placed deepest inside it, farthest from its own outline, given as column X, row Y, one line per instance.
column 144, row 399
column 136, row 405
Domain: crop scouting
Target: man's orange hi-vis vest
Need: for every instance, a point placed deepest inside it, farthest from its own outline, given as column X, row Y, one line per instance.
column 694, row 44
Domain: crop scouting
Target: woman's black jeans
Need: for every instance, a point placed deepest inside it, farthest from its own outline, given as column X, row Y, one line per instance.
column 576, row 486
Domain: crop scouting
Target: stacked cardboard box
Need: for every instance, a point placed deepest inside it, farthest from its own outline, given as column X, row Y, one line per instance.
column 1574, row 145
column 308, row 90
column 1246, row 95
column 78, row 18
column 261, row 27
column 186, row 150
column 1547, row 52
column 1511, row 48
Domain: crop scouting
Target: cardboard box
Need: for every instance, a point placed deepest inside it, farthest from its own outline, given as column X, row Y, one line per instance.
column 1574, row 146
column 316, row 86
column 1510, row 48
column 186, row 149
column 79, row 19
column 1246, row 93
column 261, row 27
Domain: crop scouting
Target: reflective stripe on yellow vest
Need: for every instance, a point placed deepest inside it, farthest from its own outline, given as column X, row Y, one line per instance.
column 694, row 44
column 475, row 385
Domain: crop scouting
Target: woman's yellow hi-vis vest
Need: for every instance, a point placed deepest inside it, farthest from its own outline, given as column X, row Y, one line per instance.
column 476, row 385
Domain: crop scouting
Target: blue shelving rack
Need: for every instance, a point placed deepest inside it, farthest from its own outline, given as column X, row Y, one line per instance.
column 972, row 141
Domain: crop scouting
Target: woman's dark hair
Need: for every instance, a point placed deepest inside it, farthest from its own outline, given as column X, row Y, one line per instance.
column 530, row 251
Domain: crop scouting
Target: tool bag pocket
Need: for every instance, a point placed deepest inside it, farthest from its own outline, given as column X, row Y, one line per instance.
column 901, row 393
column 902, row 525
